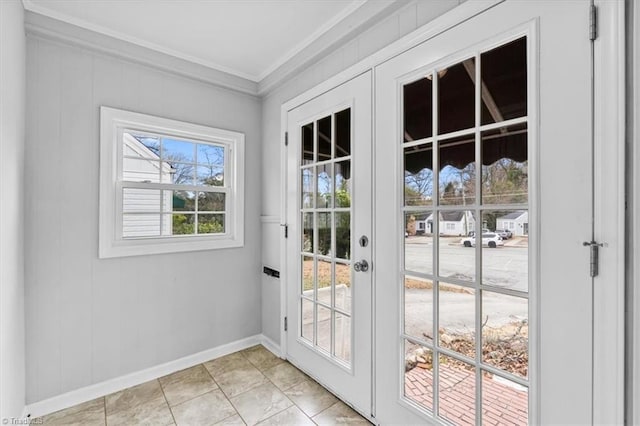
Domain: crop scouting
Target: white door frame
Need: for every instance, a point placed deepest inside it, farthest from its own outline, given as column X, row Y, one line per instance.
column 609, row 196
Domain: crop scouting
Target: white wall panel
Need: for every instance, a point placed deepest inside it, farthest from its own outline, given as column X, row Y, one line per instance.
column 12, row 151
column 91, row 320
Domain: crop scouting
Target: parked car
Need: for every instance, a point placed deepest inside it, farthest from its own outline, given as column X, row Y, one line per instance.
column 489, row 239
column 472, row 233
column 504, row 233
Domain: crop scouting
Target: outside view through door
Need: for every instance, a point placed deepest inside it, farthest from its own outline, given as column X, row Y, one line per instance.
column 466, row 248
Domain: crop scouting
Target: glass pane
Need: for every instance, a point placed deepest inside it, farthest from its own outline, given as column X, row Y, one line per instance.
column 505, row 166
column 324, row 328
column 418, row 376
column 141, row 146
column 140, row 200
column 308, row 272
column 178, row 173
column 140, row 225
column 176, row 150
column 456, row 97
column 307, row 144
column 183, row 224
column 343, row 133
column 343, row 235
column 503, row 401
column 324, row 139
column 167, row 201
column 211, row 202
column 141, row 170
column 210, row 155
column 324, row 234
column 507, row 267
column 343, row 287
column 504, row 82
column 307, row 319
column 456, row 257
column 456, row 391
column 325, row 274
column 457, row 307
column 307, row 232
column 418, row 242
column 343, row 337
column 458, row 171
column 183, row 201
column 210, row 175
column 505, row 332
column 418, row 175
column 308, row 183
column 324, row 190
column 343, row 184
column 211, row 223
column 418, row 109
column 418, row 308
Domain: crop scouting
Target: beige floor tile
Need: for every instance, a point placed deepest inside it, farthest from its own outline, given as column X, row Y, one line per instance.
column 226, row 363
column 240, row 379
column 234, row 420
column 140, row 405
column 291, row 416
column 207, row 409
column 339, row 414
column 132, row 397
column 187, row 384
column 261, row 357
column 285, row 375
column 88, row 413
column 260, row 403
column 311, row 397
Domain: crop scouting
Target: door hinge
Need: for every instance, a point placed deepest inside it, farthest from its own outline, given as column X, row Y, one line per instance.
column 594, row 255
column 286, row 138
column 286, row 324
column 286, row 230
column 593, row 23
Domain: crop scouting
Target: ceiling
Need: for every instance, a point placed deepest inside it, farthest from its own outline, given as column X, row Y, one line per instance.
column 246, row 38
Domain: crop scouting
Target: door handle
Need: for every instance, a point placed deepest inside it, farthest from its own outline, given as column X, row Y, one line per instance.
column 362, row 266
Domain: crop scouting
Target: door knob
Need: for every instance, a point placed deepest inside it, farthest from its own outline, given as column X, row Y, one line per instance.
column 362, row 266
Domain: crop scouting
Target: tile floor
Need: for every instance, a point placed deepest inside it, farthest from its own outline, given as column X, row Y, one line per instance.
column 249, row 387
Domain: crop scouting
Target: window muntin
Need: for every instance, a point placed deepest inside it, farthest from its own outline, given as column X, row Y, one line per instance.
column 168, row 186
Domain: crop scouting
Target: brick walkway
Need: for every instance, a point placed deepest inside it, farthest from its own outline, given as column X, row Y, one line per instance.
column 502, row 404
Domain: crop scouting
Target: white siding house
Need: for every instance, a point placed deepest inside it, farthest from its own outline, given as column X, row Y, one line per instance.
column 516, row 222
column 451, row 223
column 141, row 207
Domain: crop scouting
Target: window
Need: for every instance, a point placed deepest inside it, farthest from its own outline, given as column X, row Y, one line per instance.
column 168, row 186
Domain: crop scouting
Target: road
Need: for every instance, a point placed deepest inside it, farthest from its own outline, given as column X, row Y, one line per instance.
column 502, row 267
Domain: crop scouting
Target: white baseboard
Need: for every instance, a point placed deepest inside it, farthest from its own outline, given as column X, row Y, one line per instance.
column 272, row 346
column 107, row 387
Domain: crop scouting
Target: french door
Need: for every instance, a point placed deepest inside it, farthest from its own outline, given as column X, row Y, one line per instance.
column 328, row 250
column 483, row 160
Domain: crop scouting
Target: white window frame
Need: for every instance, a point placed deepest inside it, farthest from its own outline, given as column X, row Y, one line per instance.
column 111, row 242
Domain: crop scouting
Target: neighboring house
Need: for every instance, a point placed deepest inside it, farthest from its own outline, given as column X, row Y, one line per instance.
column 139, row 205
column 455, row 223
column 516, row 222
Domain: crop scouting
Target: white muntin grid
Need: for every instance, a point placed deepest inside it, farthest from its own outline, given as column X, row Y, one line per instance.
column 331, row 353
column 477, row 207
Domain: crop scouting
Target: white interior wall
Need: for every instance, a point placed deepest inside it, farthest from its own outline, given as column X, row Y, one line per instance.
column 12, row 129
column 90, row 319
column 398, row 24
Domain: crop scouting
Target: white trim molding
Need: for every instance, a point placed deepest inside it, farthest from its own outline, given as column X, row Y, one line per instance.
column 609, row 214
column 107, row 387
